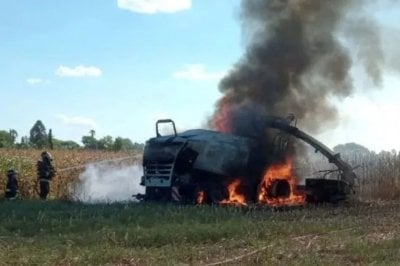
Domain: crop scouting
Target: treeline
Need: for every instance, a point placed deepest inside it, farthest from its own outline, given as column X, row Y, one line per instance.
column 40, row 138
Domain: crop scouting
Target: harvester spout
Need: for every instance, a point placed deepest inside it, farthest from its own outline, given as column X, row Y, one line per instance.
column 347, row 174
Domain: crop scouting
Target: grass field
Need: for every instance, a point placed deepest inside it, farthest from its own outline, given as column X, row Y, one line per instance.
column 65, row 233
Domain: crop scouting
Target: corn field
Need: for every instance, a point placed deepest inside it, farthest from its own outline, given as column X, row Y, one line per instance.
column 68, row 163
column 378, row 173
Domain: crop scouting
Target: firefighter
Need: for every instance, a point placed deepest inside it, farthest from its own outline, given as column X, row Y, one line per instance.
column 12, row 185
column 46, row 172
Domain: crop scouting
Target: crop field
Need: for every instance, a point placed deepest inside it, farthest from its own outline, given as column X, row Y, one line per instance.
column 379, row 174
column 69, row 164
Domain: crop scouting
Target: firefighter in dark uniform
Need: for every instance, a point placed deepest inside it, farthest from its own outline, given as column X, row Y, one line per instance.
column 46, row 172
column 12, row 185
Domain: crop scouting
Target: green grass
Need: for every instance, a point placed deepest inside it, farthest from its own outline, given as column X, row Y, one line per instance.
column 64, row 233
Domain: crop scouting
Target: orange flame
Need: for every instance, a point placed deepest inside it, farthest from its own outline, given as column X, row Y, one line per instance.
column 200, row 197
column 280, row 172
column 234, row 196
column 222, row 120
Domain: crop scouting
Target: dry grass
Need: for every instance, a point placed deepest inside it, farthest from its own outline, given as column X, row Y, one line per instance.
column 69, row 163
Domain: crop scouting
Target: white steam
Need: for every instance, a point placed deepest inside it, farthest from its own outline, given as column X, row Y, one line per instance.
column 108, row 183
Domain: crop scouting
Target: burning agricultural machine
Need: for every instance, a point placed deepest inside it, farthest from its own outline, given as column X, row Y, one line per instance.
column 205, row 166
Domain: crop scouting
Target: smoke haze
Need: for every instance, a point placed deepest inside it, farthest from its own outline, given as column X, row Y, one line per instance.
column 108, row 183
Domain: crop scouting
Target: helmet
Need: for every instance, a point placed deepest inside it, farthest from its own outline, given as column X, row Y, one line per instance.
column 11, row 171
column 46, row 156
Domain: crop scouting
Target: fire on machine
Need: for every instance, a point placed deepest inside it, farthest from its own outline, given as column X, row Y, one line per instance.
column 213, row 167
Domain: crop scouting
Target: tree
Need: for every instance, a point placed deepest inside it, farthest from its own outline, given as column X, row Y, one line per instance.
column 38, row 135
column 13, row 135
column 117, row 144
column 69, row 145
column 24, row 143
column 138, row 147
column 89, row 142
column 351, row 148
column 6, row 141
column 65, row 144
column 106, row 143
column 51, row 139
column 92, row 133
column 123, row 144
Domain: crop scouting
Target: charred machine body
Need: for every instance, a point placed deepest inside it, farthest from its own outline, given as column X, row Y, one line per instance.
column 197, row 166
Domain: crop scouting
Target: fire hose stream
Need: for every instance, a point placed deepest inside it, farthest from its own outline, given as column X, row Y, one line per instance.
column 99, row 162
column 136, row 157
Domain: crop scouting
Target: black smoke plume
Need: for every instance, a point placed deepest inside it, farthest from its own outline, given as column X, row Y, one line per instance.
column 294, row 62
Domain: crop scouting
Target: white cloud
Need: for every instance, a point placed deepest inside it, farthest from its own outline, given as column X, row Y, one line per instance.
column 36, row 81
column 155, row 6
column 78, row 71
column 76, row 121
column 197, row 72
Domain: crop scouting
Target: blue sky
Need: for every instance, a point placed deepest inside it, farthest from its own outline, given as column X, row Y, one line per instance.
column 142, row 59
column 118, row 66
